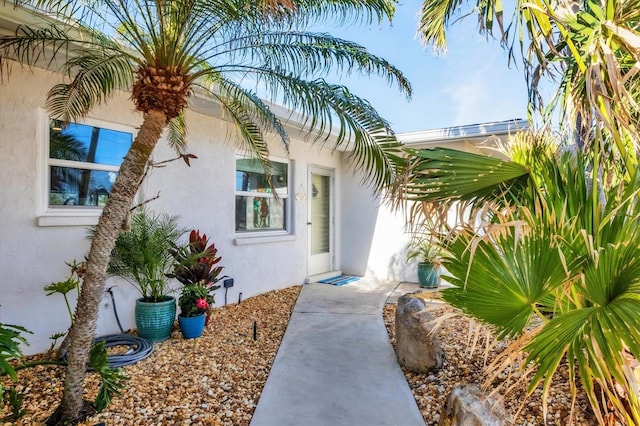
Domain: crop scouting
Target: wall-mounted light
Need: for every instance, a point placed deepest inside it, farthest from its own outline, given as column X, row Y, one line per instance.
column 301, row 194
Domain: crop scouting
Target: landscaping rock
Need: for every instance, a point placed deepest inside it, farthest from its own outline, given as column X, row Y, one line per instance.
column 461, row 364
column 467, row 405
column 214, row 380
column 418, row 350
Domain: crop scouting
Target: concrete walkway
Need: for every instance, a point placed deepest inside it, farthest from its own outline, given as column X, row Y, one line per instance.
column 335, row 365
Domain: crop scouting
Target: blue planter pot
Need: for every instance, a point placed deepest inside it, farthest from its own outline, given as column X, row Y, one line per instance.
column 155, row 319
column 192, row 327
column 428, row 275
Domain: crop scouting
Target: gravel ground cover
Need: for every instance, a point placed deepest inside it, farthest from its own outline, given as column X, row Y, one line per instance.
column 462, row 366
column 216, row 379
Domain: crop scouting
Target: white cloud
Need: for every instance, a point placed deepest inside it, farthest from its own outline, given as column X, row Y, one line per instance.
column 487, row 92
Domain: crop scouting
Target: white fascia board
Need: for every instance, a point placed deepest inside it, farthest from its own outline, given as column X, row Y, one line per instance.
column 11, row 16
column 473, row 133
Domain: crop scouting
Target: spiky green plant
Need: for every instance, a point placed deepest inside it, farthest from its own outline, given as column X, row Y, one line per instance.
column 540, row 211
column 547, row 266
column 10, row 339
column 143, row 253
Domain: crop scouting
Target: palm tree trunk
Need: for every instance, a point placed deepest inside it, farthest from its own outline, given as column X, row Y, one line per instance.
column 111, row 220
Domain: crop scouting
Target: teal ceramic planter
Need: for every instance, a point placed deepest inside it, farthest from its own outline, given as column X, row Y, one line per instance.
column 192, row 327
column 428, row 275
column 155, row 320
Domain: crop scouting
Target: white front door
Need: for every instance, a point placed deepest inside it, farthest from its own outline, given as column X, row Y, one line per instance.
column 320, row 220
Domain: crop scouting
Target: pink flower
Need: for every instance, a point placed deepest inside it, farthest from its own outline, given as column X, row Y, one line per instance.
column 202, row 303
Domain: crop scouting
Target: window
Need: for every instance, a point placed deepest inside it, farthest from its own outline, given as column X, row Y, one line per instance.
column 83, row 163
column 257, row 209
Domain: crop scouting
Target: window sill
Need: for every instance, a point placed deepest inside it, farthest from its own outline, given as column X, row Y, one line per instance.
column 262, row 239
column 68, row 219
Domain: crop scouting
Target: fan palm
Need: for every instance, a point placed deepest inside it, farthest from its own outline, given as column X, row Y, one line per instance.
column 548, row 266
column 165, row 51
column 578, row 211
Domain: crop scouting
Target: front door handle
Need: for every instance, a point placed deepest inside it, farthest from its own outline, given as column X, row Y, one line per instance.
column 308, row 223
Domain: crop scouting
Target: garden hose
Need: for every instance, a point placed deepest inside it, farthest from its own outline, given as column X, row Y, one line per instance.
column 115, row 311
column 139, row 347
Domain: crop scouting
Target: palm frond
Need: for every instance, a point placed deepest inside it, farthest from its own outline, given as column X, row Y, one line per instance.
column 318, row 11
column 32, row 46
column 591, row 334
column 250, row 114
column 177, row 134
column 247, row 112
column 372, row 146
column 95, row 79
column 437, row 15
column 592, row 50
column 505, row 276
column 142, row 255
column 302, row 53
column 322, row 107
column 443, row 173
column 554, row 255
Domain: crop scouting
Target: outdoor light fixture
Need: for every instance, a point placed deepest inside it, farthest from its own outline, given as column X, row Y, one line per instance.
column 227, row 283
column 301, row 195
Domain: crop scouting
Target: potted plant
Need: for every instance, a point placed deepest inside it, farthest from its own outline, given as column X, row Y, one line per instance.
column 195, row 266
column 429, row 254
column 142, row 256
column 195, row 302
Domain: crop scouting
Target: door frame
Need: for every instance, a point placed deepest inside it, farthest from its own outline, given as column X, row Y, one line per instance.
column 330, row 172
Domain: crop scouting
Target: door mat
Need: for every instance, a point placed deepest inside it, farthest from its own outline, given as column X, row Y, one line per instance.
column 339, row 280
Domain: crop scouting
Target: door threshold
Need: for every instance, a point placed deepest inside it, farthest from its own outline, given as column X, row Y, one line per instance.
column 323, row 276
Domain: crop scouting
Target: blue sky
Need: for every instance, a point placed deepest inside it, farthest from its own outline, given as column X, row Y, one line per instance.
column 470, row 84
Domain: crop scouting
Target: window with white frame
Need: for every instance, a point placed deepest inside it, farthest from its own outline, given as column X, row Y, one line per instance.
column 83, row 163
column 257, row 208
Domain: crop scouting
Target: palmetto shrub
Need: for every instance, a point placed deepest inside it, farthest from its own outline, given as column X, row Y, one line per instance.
column 551, row 259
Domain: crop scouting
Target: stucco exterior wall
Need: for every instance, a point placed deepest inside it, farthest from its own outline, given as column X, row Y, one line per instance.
column 376, row 241
column 32, row 256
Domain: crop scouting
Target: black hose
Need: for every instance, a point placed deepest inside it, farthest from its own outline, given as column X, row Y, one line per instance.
column 115, row 311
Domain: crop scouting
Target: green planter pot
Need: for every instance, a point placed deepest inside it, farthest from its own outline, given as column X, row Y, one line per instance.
column 428, row 275
column 155, row 320
column 192, row 327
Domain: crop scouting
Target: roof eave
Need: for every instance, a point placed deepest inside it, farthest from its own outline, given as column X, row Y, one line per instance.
column 472, row 133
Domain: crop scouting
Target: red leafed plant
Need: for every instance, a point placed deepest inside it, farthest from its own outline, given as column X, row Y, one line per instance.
column 195, row 267
column 196, row 262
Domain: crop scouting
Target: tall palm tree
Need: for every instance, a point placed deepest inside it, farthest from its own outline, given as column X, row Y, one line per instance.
column 165, row 51
column 588, row 48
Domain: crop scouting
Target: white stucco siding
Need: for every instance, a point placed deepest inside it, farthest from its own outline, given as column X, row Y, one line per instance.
column 30, row 256
column 203, row 196
column 374, row 242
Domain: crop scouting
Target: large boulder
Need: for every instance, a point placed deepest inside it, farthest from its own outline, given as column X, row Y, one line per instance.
column 467, row 405
column 417, row 348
